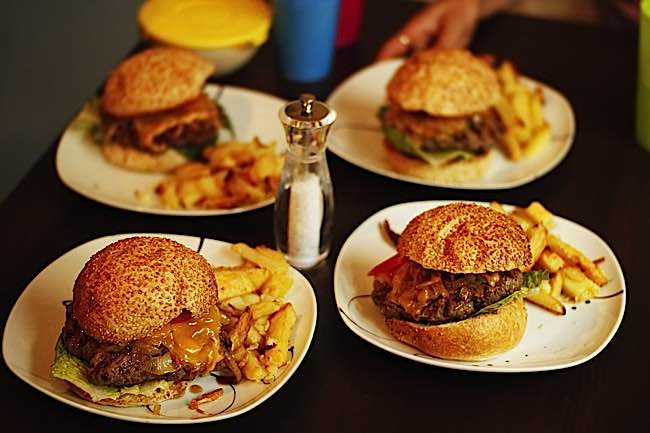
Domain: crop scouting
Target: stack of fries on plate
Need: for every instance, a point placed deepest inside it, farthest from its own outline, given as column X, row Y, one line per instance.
column 520, row 108
column 234, row 174
column 259, row 322
column 573, row 276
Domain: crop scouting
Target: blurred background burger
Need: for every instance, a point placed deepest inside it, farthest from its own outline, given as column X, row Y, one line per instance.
column 440, row 122
column 155, row 114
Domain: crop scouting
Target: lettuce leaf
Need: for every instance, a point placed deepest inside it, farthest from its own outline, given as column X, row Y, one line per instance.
column 89, row 121
column 195, row 152
column 227, row 123
column 410, row 147
column 532, row 279
column 72, row 369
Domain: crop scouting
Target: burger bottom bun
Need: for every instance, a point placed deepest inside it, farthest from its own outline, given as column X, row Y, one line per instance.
column 176, row 390
column 477, row 338
column 138, row 160
column 465, row 170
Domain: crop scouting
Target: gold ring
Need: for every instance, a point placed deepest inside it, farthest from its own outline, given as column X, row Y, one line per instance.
column 404, row 40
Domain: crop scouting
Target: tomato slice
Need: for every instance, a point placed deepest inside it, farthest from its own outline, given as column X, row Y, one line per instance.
column 388, row 266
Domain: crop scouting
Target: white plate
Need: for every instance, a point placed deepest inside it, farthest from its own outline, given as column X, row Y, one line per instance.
column 550, row 342
column 357, row 137
column 36, row 320
column 83, row 169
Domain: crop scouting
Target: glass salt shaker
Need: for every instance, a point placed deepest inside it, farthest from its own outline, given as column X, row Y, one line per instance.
column 304, row 205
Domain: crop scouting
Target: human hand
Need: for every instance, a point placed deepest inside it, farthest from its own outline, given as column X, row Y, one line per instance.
column 443, row 24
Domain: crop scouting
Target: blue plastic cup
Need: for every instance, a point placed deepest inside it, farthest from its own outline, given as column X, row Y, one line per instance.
column 305, row 31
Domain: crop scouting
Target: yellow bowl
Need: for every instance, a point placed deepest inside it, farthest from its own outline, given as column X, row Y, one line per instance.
column 226, row 32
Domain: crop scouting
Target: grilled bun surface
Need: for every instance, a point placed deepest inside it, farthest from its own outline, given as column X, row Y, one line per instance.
column 465, row 238
column 136, row 285
column 444, row 83
column 175, row 390
column 480, row 337
column 154, row 80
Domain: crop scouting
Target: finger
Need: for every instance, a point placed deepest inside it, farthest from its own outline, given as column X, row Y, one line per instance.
column 418, row 40
column 391, row 48
column 453, row 35
column 419, row 31
column 410, row 38
column 423, row 28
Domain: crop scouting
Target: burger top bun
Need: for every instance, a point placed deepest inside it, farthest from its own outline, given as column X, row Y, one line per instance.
column 465, row 238
column 136, row 285
column 444, row 83
column 154, row 80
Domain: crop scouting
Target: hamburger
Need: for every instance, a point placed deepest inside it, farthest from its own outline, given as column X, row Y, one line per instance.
column 440, row 122
column 155, row 115
column 142, row 322
column 454, row 289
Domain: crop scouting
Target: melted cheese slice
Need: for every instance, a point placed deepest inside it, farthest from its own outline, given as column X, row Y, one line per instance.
column 193, row 343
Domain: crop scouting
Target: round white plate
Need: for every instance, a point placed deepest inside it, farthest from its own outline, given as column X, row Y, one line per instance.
column 37, row 318
column 357, row 136
column 83, row 169
column 550, row 342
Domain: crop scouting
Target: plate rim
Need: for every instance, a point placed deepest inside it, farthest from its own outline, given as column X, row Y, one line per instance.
column 96, row 409
column 469, row 365
column 87, row 193
column 471, row 185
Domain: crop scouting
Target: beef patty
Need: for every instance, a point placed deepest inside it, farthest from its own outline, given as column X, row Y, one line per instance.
column 177, row 130
column 476, row 133
column 119, row 365
column 427, row 296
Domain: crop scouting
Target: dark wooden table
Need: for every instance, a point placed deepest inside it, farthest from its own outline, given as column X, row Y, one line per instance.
column 345, row 384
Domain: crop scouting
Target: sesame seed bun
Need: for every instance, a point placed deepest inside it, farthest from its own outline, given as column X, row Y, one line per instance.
column 458, row 171
column 444, row 83
column 136, row 285
column 477, row 338
column 153, row 80
column 465, row 238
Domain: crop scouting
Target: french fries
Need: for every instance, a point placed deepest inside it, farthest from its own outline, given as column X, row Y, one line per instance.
column 537, row 236
column 276, row 343
column 233, row 174
column 556, row 283
column 575, row 257
column 547, row 301
column 576, row 285
column 497, row 207
column 550, row 261
column 263, row 257
column 573, row 276
column 520, row 109
column 238, row 281
column 260, row 322
column 540, row 215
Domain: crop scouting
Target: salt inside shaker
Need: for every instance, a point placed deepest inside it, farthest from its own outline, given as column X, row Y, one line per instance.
column 304, row 205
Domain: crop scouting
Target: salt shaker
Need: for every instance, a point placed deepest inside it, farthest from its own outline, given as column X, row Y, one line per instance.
column 304, row 205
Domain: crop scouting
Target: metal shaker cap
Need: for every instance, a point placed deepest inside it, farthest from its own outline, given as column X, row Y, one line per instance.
column 307, row 113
